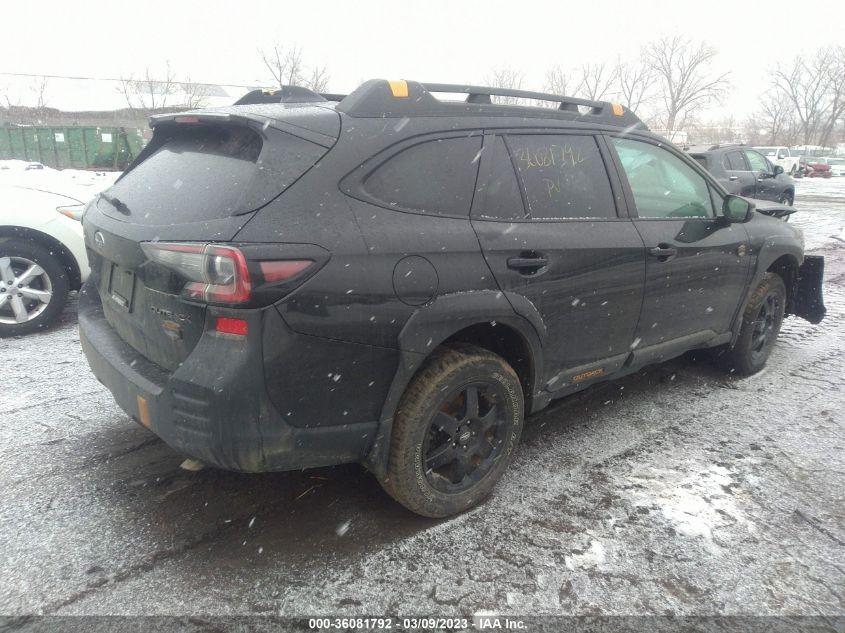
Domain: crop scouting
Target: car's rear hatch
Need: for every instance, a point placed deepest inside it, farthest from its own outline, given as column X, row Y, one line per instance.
column 201, row 178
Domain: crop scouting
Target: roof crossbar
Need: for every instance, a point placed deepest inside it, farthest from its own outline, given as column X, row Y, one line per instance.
column 482, row 94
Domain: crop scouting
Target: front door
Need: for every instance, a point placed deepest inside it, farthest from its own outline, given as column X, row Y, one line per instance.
column 697, row 263
column 548, row 225
column 768, row 186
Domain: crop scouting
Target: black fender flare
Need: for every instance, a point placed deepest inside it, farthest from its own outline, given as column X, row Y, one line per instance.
column 430, row 325
column 773, row 248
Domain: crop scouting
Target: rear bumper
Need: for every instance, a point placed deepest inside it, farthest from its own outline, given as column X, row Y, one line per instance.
column 214, row 407
column 809, row 298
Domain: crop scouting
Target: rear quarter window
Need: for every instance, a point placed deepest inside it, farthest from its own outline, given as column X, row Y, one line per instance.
column 436, row 176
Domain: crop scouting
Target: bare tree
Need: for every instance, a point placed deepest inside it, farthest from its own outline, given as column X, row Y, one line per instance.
column 686, row 84
column 835, row 58
column 196, row 94
column 285, row 65
column 596, row 81
column 558, row 81
column 318, row 80
column 39, row 87
column 777, row 117
column 635, row 81
column 504, row 77
column 805, row 83
column 149, row 92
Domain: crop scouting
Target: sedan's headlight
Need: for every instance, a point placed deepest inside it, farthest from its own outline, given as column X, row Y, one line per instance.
column 72, row 211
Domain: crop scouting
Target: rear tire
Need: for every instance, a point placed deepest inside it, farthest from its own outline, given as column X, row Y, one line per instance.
column 454, row 432
column 787, row 198
column 33, row 287
column 761, row 323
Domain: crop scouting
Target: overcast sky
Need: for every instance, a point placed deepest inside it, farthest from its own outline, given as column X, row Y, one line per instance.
column 435, row 40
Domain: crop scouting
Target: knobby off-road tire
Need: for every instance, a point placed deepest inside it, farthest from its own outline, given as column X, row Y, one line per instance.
column 761, row 323
column 454, row 432
column 38, row 297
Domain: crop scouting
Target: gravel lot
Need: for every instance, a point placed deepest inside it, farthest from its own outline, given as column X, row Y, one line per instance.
column 675, row 490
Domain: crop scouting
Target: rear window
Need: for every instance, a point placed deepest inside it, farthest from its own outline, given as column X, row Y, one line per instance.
column 435, row 177
column 211, row 172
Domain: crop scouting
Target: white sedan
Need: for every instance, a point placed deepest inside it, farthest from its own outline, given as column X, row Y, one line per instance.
column 42, row 255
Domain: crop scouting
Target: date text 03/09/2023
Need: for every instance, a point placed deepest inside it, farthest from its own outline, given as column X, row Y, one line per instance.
column 479, row 621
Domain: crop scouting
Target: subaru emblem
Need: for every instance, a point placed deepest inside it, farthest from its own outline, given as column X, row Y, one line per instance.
column 99, row 239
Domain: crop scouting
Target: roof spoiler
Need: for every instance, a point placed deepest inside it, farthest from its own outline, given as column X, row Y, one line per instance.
column 381, row 98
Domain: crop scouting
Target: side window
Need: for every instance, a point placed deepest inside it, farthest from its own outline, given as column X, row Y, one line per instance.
column 502, row 200
column 435, row 177
column 563, row 176
column 757, row 161
column 783, row 153
column 663, row 185
column 736, row 161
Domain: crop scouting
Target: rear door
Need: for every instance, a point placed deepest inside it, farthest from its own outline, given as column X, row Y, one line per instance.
column 741, row 180
column 696, row 266
column 551, row 231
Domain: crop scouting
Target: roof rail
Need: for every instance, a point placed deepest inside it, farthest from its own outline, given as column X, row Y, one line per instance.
column 482, row 94
column 285, row 94
column 381, row 98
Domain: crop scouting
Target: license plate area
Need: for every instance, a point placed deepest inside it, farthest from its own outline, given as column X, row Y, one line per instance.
column 121, row 287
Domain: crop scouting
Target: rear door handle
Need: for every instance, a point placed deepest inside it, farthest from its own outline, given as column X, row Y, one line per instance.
column 527, row 263
column 663, row 252
column 733, row 177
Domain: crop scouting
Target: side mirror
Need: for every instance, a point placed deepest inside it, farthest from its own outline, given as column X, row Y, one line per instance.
column 736, row 209
column 777, row 170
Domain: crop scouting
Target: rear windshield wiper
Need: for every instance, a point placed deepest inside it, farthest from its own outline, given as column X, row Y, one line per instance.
column 116, row 203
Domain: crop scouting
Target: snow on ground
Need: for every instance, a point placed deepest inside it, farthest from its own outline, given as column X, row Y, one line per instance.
column 678, row 489
column 821, row 205
column 77, row 183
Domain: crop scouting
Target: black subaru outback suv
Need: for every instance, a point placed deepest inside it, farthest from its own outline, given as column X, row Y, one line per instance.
column 398, row 279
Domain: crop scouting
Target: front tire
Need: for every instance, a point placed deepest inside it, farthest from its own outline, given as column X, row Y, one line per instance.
column 454, row 432
column 761, row 323
column 787, row 198
column 33, row 287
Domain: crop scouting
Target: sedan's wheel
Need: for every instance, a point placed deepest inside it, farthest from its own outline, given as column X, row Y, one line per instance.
column 33, row 287
column 454, row 432
column 760, row 327
column 786, row 198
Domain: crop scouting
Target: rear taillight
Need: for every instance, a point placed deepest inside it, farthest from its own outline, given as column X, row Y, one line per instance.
column 214, row 274
column 221, row 274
